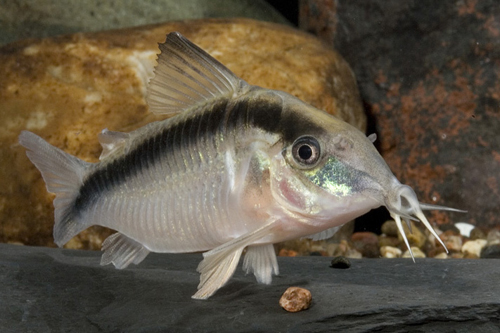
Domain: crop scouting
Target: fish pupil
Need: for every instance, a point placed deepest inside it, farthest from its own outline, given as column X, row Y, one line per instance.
column 305, row 152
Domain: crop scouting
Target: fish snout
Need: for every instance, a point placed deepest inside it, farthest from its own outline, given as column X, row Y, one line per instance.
column 403, row 201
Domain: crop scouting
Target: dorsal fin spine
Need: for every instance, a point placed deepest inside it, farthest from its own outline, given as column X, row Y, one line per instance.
column 187, row 76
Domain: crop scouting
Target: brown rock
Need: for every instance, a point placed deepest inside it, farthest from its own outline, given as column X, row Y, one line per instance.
column 366, row 243
column 417, row 253
column 390, row 228
column 388, row 241
column 296, row 299
column 345, row 249
column 453, row 242
column 437, row 252
column 415, row 237
column 287, row 253
column 456, row 255
column 477, row 233
column 364, row 237
column 428, row 76
column 67, row 89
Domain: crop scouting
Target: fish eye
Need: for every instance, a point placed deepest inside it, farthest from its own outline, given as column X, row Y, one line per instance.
column 306, row 151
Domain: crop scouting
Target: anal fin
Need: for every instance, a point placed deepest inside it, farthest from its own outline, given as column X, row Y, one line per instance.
column 261, row 260
column 122, row 251
column 219, row 264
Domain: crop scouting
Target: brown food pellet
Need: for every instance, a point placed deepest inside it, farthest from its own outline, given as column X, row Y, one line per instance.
column 296, row 299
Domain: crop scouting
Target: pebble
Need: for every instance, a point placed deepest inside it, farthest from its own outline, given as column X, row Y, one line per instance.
column 344, row 249
column 388, row 241
column 464, row 228
column 340, row 262
column 364, row 237
column 491, row 251
column 296, row 299
column 477, row 233
column 416, row 237
column 390, row 252
column 366, row 243
column 450, row 228
column 417, row 253
column 287, row 253
column 474, row 247
column 441, row 255
column 493, row 237
column 452, row 240
column 389, row 228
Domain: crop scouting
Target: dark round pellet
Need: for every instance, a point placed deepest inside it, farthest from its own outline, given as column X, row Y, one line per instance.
column 340, row 262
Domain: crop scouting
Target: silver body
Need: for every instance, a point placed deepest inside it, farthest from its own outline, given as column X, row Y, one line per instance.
column 239, row 167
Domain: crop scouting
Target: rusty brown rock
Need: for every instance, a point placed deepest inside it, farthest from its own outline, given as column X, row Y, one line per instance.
column 67, row 89
column 428, row 75
column 296, row 299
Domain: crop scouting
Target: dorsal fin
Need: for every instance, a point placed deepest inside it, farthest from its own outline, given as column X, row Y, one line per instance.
column 112, row 142
column 186, row 75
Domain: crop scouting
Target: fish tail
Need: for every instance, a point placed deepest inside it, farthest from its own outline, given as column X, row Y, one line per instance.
column 63, row 175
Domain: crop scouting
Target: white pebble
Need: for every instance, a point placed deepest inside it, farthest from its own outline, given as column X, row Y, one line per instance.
column 390, row 252
column 417, row 253
column 474, row 246
column 465, row 228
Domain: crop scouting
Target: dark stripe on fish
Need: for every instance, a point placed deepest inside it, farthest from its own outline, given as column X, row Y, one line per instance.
column 264, row 112
column 149, row 152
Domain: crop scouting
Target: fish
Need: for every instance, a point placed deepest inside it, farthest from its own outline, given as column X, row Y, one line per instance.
column 234, row 170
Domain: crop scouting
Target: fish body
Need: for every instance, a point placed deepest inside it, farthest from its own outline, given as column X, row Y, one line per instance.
column 239, row 167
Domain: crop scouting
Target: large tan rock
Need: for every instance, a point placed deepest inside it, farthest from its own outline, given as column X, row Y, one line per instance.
column 67, row 89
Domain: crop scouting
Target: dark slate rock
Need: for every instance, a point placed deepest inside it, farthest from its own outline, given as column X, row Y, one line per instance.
column 57, row 290
column 429, row 77
column 43, row 18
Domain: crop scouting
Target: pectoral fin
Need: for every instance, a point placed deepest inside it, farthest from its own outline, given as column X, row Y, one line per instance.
column 122, row 251
column 261, row 260
column 219, row 264
column 325, row 234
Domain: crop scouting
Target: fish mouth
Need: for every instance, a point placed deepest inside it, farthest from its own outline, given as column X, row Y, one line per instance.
column 402, row 203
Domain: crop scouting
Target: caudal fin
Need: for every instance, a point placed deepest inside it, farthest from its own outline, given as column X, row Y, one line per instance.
column 63, row 175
